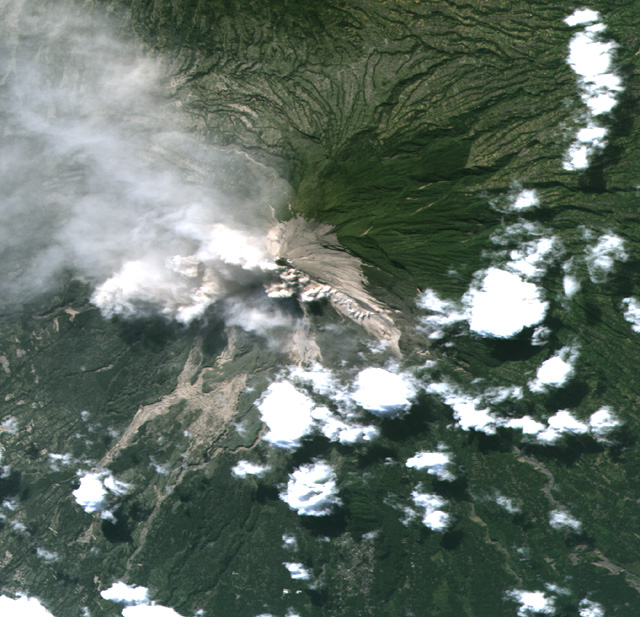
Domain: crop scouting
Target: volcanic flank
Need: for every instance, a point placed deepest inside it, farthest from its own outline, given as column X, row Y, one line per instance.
column 314, row 266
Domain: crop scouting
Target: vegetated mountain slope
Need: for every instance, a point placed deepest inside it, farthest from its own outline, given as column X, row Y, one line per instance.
column 364, row 101
column 385, row 116
column 399, row 123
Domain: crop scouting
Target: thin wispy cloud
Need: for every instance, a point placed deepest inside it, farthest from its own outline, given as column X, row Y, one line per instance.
column 602, row 256
column 562, row 520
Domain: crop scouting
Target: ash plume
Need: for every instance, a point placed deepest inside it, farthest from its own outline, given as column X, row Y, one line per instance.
column 102, row 175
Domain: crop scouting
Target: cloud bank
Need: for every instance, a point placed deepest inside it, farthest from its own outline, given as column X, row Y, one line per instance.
column 290, row 409
column 591, row 58
column 474, row 412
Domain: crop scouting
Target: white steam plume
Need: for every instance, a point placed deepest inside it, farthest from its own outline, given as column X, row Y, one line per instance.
column 101, row 176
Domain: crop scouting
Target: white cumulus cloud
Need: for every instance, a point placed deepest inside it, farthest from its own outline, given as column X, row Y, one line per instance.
column 297, row 571
column 136, row 601
column 502, row 304
column 532, row 603
column 561, row 519
column 287, row 413
column 582, row 17
column 312, row 490
column 500, row 394
column 443, row 313
column 291, row 413
column 383, row 392
column 149, row 610
column 96, row 492
column 321, row 379
column 632, row 313
column 525, row 200
column 435, row 463
column 526, row 424
column 468, row 411
column 431, row 505
column 126, row 594
column 591, row 58
column 556, row 371
column 22, row 606
column 562, row 423
column 571, row 285
column 589, row 608
column 338, row 429
column 242, row 469
column 531, row 259
column 503, row 299
column 602, row 422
